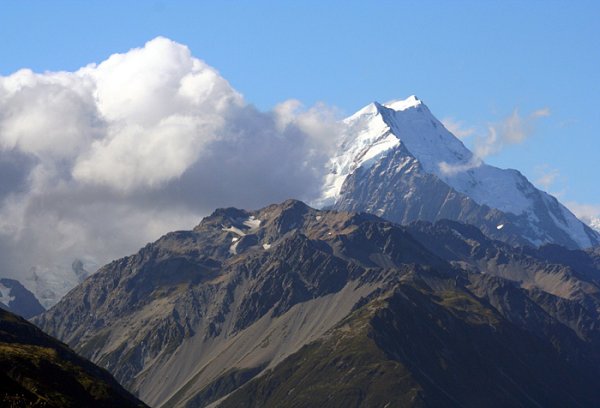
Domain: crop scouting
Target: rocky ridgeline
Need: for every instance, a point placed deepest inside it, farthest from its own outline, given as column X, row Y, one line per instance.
column 249, row 303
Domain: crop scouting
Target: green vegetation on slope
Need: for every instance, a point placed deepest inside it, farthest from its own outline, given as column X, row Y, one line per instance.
column 38, row 371
column 416, row 346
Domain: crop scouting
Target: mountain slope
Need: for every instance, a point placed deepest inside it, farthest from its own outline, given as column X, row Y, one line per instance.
column 194, row 316
column 175, row 317
column 417, row 346
column 399, row 162
column 38, row 371
column 15, row 298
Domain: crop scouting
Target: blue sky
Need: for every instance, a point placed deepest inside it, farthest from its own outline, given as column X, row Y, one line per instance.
column 472, row 61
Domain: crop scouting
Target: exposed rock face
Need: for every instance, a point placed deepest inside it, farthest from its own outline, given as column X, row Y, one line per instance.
column 205, row 315
column 39, row 371
column 17, row 299
column 408, row 194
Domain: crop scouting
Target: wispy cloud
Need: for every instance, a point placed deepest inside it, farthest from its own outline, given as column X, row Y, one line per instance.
column 540, row 113
column 453, row 169
column 458, row 128
column 514, row 129
column 588, row 213
column 546, row 176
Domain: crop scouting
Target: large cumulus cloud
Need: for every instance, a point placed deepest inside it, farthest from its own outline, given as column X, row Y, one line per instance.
column 97, row 162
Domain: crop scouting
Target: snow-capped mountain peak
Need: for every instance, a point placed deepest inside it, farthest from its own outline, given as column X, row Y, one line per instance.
column 408, row 131
column 443, row 154
column 403, row 104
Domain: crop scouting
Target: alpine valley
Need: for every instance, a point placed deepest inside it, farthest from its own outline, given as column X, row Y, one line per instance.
column 423, row 278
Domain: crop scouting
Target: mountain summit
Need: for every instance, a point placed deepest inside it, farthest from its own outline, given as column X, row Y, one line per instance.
column 399, row 162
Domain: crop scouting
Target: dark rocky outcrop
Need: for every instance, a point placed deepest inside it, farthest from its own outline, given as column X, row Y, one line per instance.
column 39, row 371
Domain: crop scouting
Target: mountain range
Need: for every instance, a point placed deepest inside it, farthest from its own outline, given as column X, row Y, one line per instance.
column 424, row 277
column 293, row 306
column 397, row 161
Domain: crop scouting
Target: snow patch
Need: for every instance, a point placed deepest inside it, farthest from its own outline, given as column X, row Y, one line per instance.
column 235, row 230
column 5, row 296
column 266, row 246
column 500, row 226
column 252, row 223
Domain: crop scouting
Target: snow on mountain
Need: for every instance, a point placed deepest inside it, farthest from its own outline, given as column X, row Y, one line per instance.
column 595, row 223
column 416, row 144
column 15, row 298
column 5, row 297
column 50, row 284
column 379, row 131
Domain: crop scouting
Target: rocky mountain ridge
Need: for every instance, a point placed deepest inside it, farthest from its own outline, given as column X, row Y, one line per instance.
column 192, row 318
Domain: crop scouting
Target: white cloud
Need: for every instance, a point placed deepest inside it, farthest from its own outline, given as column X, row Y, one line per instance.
column 457, row 128
column 136, row 156
column 588, row 213
column 45, row 117
column 453, row 169
column 146, row 85
column 541, row 113
column 514, row 129
column 103, row 159
column 546, row 176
